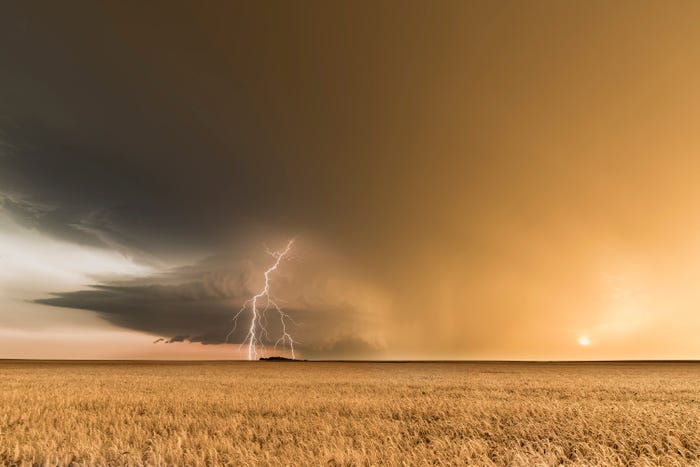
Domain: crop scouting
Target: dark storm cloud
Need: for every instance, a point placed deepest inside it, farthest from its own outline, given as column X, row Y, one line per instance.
column 161, row 136
column 92, row 197
column 196, row 304
column 52, row 220
column 193, row 121
column 101, row 228
column 151, row 310
column 481, row 164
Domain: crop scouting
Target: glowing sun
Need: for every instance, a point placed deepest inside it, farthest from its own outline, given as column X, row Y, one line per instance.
column 584, row 341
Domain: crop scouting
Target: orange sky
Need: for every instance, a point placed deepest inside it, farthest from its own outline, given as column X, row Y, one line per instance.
column 469, row 180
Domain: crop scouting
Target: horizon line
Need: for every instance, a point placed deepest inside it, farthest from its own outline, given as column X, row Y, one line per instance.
column 117, row 360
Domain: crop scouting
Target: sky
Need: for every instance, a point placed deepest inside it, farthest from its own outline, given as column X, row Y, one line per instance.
column 462, row 180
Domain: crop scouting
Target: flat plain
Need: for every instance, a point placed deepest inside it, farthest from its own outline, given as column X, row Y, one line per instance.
column 312, row 413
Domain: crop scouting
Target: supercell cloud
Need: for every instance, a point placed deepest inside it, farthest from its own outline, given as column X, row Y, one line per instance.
column 196, row 303
column 463, row 188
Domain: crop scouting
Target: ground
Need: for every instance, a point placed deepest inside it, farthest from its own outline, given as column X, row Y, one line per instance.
column 299, row 413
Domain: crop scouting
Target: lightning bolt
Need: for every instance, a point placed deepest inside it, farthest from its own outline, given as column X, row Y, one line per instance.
column 258, row 306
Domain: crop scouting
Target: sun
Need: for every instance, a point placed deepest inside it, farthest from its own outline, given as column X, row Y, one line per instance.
column 584, row 341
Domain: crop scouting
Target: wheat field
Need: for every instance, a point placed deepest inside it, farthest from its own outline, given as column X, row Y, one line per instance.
column 312, row 413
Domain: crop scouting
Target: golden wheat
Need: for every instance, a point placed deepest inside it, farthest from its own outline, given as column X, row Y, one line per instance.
column 267, row 413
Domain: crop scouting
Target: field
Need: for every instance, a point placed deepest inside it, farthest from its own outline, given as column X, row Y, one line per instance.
column 298, row 413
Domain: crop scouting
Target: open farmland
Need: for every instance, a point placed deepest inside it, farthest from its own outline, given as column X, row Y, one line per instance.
column 296, row 413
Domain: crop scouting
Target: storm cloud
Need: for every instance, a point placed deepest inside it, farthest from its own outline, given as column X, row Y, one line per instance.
column 330, row 313
column 464, row 177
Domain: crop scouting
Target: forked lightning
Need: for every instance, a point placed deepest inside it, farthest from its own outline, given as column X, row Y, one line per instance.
column 258, row 306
